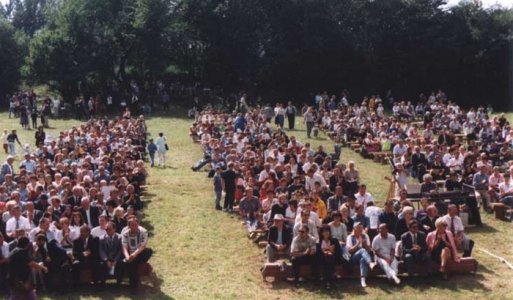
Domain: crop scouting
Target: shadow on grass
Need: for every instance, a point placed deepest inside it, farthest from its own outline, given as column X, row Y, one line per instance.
column 482, row 229
column 150, row 289
column 469, row 282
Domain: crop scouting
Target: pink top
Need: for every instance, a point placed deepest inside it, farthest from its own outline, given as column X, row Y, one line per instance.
column 431, row 238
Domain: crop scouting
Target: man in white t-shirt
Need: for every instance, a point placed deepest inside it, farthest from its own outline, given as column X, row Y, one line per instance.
column 506, row 190
column 100, row 230
column 384, row 249
column 362, row 197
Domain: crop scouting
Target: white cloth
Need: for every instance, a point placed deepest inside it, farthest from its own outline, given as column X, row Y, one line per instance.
column 98, row 232
column 363, row 199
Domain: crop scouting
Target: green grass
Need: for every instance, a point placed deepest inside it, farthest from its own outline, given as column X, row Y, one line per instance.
column 204, row 254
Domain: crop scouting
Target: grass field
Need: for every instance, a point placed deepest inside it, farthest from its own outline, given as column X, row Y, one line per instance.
column 201, row 253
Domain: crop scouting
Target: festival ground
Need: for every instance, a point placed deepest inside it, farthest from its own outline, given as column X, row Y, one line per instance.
column 201, row 253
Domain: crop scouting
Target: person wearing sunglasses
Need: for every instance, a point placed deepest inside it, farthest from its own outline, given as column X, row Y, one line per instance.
column 441, row 245
column 415, row 248
column 303, row 252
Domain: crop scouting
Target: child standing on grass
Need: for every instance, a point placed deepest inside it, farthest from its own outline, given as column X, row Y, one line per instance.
column 218, row 187
column 152, row 148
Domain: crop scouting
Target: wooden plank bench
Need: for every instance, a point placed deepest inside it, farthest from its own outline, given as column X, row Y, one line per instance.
column 380, row 156
column 467, row 265
column 500, row 210
column 86, row 276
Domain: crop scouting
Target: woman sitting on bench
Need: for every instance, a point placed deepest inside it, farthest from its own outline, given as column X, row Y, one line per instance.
column 441, row 245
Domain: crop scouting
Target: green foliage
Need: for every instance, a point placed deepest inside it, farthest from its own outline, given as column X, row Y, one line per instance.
column 89, row 43
column 271, row 48
column 12, row 51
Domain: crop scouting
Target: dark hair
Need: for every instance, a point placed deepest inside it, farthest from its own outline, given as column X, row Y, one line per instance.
column 23, row 242
column 413, row 222
column 323, row 229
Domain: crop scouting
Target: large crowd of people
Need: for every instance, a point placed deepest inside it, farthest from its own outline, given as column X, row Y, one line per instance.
column 74, row 204
column 315, row 208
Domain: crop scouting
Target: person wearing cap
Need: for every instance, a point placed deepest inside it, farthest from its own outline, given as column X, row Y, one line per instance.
column 278, row 239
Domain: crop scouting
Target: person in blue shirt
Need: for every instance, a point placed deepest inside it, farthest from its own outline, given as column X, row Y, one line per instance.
column 152, row 148
column 240, row 123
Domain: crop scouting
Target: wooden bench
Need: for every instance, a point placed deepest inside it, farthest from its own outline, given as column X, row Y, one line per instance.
column 381, row 156
column 86, row 276
column 500, row 210
column 467, row 265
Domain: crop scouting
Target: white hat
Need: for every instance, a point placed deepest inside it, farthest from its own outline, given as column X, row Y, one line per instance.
column 278, row 217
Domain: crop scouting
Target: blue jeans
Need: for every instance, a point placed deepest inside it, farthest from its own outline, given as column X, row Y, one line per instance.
column 363, row 258
column 152, row 158
column 12, row 148
column 508, row 200
column 218, row 197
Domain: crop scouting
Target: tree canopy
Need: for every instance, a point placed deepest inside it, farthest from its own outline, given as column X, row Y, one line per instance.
column 286, row 48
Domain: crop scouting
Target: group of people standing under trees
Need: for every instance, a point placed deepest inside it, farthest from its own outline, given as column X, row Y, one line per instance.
column 314, row 207
column 24, row 106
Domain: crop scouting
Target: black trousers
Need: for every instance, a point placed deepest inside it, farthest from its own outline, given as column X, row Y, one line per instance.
column 229, row 198
column 119, row 271
column 133, row 267
column 78, row 266
column 328, row 265
column 297, row 262
column 411, row 259
column 292, row 119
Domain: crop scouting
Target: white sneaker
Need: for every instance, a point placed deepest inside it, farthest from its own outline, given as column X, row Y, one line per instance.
column 362, row 281
column 396, row 280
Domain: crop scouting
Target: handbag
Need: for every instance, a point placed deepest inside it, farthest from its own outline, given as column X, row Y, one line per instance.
column 166, row 146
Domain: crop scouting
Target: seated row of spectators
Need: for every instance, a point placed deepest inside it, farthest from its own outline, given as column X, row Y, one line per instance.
column 72, row 205
column 308, row 201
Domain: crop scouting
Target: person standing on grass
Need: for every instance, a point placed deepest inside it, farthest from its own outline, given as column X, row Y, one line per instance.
column 11, row 139
column 228, row 181
column 5, row 144
column 218, row 187
column 309, row 120
column 152, row 148
column 161, row 150
column 291, row 115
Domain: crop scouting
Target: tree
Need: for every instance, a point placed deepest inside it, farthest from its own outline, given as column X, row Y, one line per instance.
column 12, row 51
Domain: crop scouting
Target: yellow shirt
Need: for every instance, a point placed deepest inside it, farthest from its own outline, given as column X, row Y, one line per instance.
column 320, row 208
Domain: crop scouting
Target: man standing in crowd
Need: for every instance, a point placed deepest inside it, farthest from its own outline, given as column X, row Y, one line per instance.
column 291, row 115
column 229, row 177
